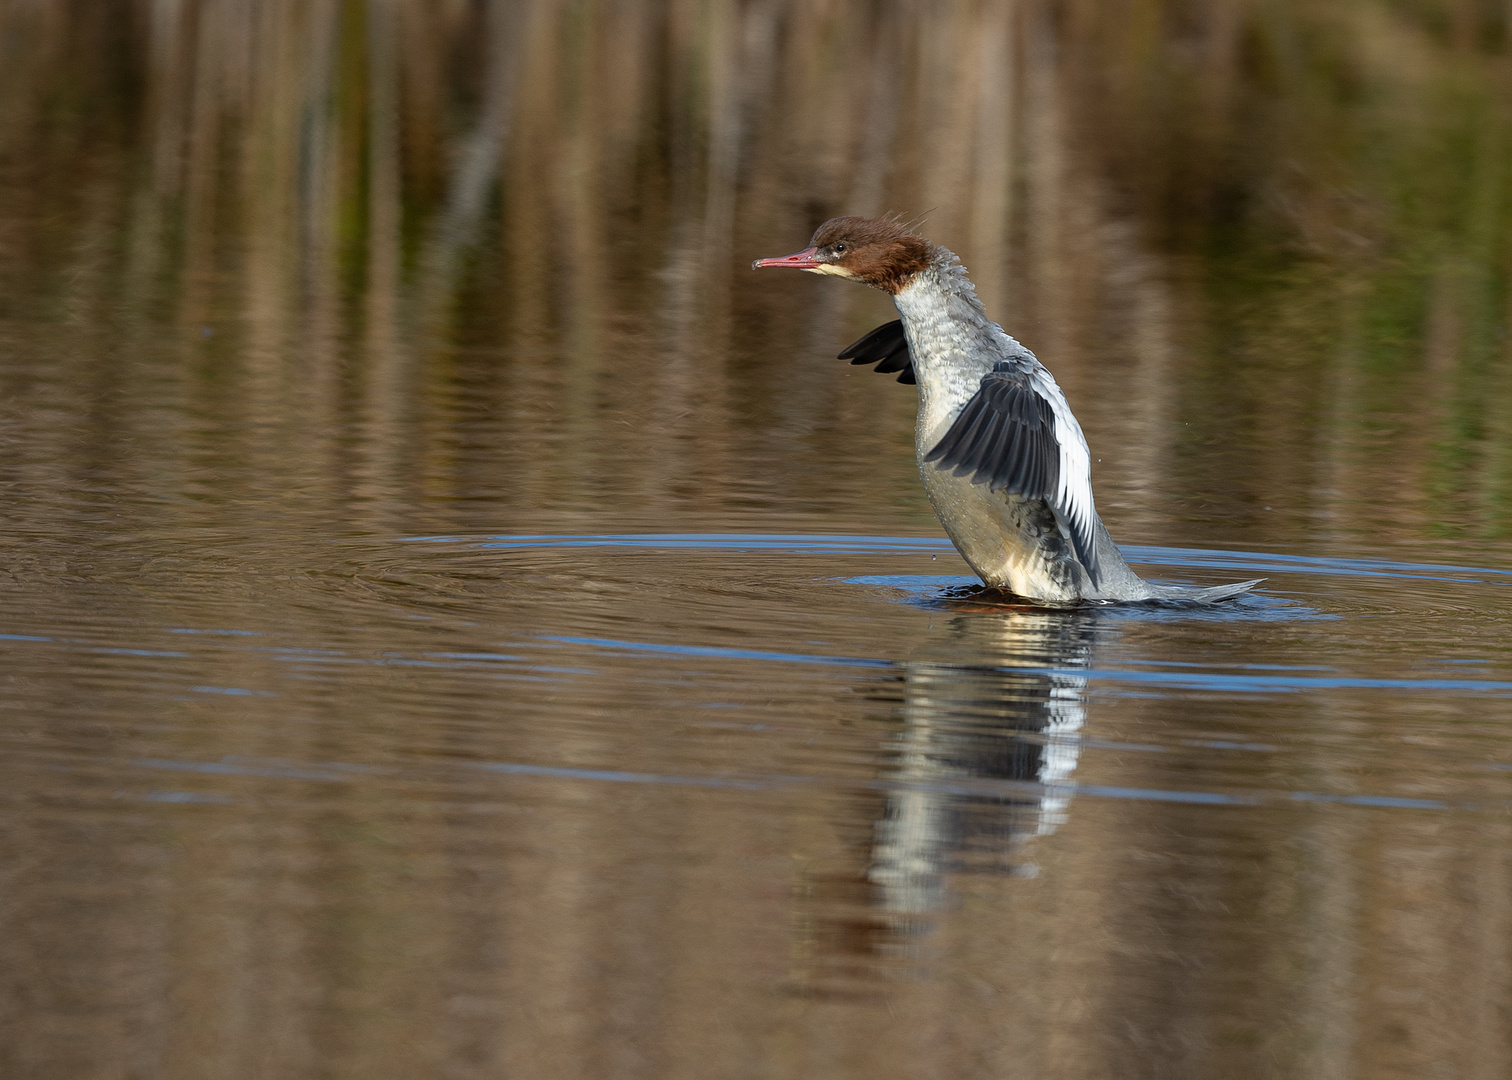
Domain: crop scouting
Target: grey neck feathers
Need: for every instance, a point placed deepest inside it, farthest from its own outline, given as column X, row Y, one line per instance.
column 946, row 323
column 953, row 342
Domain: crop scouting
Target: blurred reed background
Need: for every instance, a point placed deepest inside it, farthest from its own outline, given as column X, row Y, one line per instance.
column 394, row 254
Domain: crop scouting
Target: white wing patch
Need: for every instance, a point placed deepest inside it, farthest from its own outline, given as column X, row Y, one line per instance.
column 1073, row 503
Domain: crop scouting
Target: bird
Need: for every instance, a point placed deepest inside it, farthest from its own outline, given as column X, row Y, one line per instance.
column 1001, row 455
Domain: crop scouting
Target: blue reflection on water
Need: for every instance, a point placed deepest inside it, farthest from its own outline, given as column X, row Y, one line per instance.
column 1248, row 561
column 1189, row 680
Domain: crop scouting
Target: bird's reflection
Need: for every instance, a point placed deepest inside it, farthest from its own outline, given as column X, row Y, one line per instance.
column 989, row 739
column 987, row 718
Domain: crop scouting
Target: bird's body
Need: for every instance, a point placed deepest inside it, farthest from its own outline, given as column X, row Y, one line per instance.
column 1000, row 452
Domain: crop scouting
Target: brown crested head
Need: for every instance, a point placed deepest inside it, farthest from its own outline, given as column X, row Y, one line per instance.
column 880, row 252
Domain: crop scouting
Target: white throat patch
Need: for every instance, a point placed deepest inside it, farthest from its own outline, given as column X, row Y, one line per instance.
column 831, row 268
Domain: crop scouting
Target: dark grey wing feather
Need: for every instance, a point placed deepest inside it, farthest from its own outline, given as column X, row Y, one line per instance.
column 1006, row 438
column 887, row 347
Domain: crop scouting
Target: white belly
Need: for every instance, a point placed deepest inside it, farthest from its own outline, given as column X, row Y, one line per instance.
column 1002, row 538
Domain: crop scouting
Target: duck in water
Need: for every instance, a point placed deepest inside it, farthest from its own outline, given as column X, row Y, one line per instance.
column 1002, row 457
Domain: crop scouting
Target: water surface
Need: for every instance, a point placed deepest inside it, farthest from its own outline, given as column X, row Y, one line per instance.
column 455, row 620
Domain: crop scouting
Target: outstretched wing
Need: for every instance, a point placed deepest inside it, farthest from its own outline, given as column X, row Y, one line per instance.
column 887, row 344
column 1014, row 438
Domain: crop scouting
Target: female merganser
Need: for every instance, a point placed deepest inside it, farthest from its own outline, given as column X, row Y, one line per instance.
column 1002, row 457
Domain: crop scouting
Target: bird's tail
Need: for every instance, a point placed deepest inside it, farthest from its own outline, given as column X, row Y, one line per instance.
column 1210, row 595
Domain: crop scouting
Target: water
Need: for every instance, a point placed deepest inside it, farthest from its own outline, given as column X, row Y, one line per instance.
column 455, row 620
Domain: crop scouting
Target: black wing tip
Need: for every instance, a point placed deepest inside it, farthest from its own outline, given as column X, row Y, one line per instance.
column 887, row 347
column 1002, row 441
column 875, row 336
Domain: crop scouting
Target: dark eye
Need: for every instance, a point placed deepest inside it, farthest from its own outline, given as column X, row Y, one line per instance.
column 838, row 248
